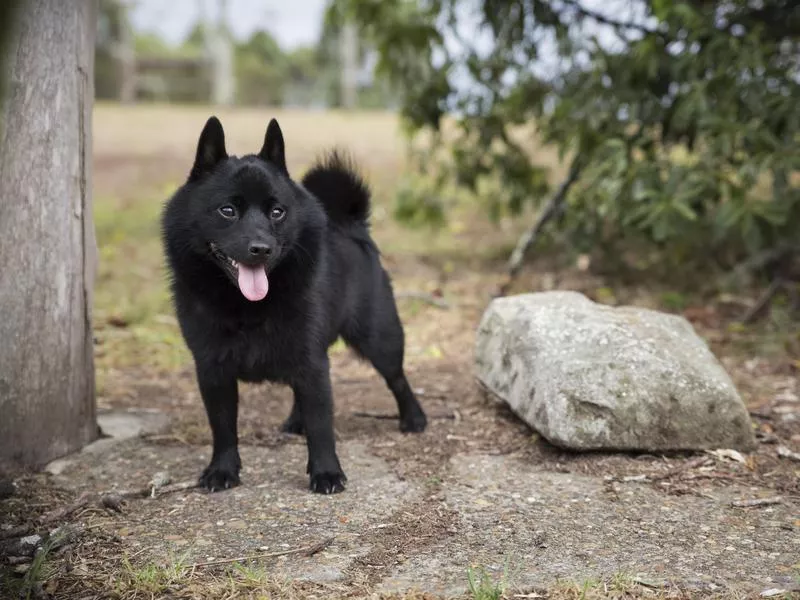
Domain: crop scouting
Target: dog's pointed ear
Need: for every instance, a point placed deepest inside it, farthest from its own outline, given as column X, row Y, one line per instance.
column 210, row 149
column 273, row 151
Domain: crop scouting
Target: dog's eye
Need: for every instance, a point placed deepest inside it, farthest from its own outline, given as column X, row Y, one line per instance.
column 277, row 213
column 227, row 211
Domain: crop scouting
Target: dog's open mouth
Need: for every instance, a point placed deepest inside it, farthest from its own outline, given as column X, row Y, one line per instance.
column 252, row 280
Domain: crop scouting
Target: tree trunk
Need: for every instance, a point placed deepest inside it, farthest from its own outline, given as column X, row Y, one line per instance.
column 126, row 57
column 349, row 56
column 47, row 246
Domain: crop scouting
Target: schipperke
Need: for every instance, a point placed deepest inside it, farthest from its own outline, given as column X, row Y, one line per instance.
column 266, row 274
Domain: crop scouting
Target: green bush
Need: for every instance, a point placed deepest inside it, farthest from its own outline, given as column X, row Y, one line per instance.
column 684, row 118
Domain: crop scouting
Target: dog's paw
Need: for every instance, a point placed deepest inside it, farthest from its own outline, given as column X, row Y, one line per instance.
column 293, row 426
column 414, row 423
column 328, row 482
column 221, row 474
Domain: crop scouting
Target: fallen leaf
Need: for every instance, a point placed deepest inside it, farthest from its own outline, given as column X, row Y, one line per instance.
column 118, row 321
column 785, row 452
column 787, row 396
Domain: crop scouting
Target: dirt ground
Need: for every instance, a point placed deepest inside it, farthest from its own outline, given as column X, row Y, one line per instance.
column 477, row 506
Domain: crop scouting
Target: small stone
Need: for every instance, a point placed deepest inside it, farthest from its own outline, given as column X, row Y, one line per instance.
column 31, row 540
column 126, row 424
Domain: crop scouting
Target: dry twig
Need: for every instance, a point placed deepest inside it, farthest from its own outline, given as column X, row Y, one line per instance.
column 152, row 491
column 763, row 301
column 757, row 502
column 304, row 551
column 110, row 501
column 682, row 468
column 424, row 297
column 785, row 452
column 388, row 417
column 548, row 211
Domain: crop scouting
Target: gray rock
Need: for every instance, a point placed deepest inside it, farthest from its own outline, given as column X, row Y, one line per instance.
column 589, row 377
column 126, row 424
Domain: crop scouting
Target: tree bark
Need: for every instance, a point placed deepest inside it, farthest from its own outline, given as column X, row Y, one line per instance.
column 47, row 245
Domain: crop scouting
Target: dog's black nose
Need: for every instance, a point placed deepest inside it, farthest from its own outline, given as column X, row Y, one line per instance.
column 260, row 249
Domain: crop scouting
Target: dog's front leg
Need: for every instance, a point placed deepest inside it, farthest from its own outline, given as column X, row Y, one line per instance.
column 312, row 392
column 221, row 399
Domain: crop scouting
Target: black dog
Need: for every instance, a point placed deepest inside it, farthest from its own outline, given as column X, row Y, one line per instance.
column 266, row 275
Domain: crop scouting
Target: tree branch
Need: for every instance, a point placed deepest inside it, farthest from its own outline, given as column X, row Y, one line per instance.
column 601, row 18
column 549, row 210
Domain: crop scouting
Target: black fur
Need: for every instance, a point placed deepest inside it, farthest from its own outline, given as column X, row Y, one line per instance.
column 343, row 193
column 324, row 278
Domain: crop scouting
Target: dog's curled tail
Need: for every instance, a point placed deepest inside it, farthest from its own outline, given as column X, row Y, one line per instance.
column 335, row 181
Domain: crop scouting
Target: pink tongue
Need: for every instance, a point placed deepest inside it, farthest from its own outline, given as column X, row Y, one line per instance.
column 253, row 282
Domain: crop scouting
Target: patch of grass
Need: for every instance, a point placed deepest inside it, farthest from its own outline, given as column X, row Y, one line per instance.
column 134, row 321
column 673, row 301
column 482, row 586
column 251, row 573
column 41, row 569
column 337, row 347
column 179, row 581
column 624, row 586
column 152, row 578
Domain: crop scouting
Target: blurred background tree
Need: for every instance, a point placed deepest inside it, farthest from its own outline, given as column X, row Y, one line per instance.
column 679, row 119
column 264, row 73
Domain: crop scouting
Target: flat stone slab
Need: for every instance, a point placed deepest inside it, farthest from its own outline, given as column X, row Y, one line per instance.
column 541, row 527
column 498, row 512
column 116, row 426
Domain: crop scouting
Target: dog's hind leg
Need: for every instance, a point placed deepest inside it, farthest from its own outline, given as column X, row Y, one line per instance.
column 294, row 422
column 384, row 348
